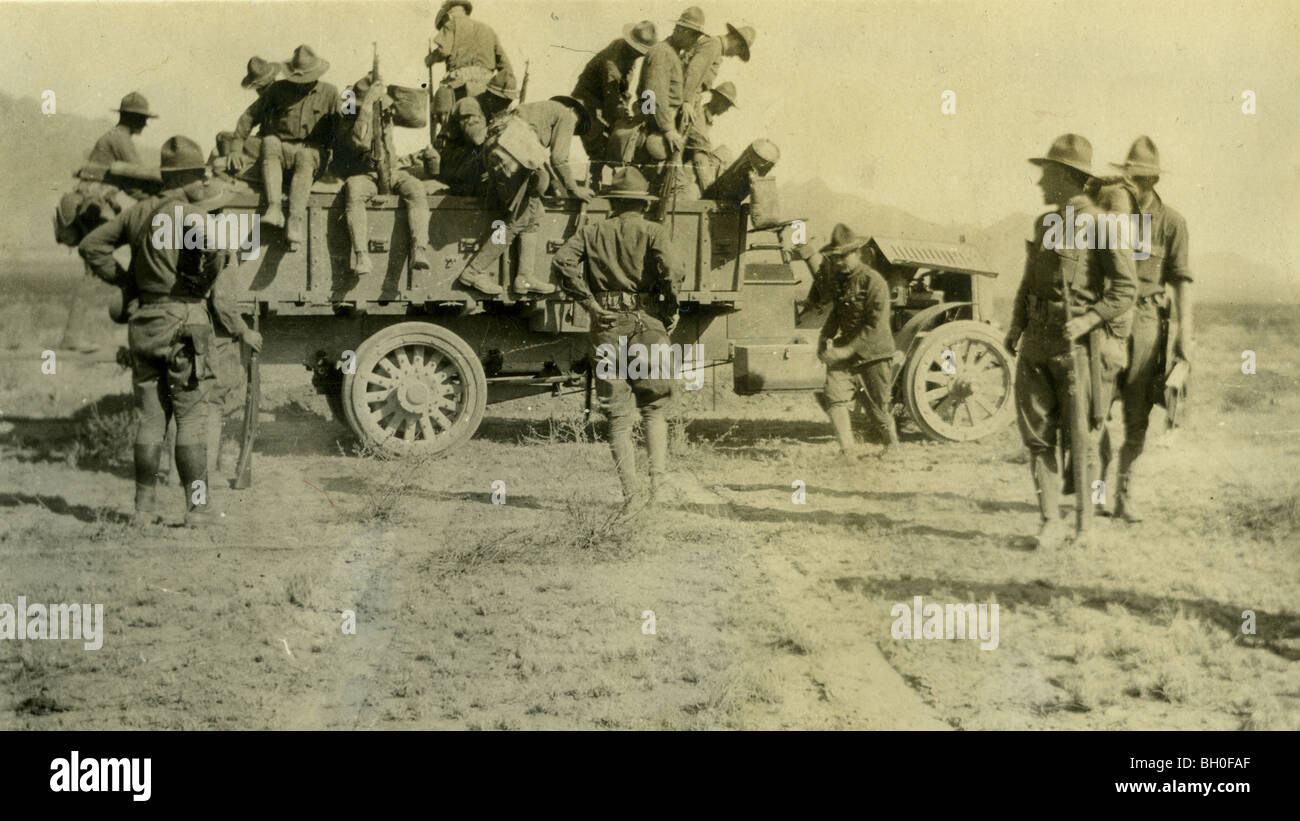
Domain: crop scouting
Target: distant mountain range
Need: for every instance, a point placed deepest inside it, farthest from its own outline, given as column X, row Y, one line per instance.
column 44, row 151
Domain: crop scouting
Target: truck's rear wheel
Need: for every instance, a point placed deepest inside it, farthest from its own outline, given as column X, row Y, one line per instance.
column 417, row 387
column 958, row 382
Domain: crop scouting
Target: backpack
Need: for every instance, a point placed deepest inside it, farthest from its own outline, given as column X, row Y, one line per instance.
column 512, row 142
column 81, row 211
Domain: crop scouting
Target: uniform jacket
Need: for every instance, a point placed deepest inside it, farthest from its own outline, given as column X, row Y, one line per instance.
column 159, row 271
column 459, row 144
column 554, row 123
column 292, row 111
column 115, row 146
column 354, row 138
column 465, row 42
column 661, row 73
column 860, row 316
column 620, row 253
column 701, row 63
column 1168, row 261
column 1102, row 280
column 603, row 84
column 698, row 136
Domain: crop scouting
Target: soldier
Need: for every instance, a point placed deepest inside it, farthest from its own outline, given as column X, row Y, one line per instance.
column 651, row 134
column 621, row 270
column 354, row 162
column 1102, row 286
column 299, row 116
column 117, row 144
column 258, row 78
column 705, row 58
column 472, row 52
column 1167, row 265
column 552, row 125
column 603, row 87
column 699, row 147
column 857, row 344
column 170, row 334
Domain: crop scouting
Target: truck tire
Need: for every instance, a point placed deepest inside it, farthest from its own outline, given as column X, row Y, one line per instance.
column 957, row 382
column 417, row 387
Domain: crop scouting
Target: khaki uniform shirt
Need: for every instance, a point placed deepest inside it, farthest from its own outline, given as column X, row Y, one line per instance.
column 1168, row 261
column 465, row 42
column 661, row 73
column 860, row 316
column 290, row 113
column 115, row 146
column 554, row 123
column 604, row 83
column 625, row 253
column 701, row 68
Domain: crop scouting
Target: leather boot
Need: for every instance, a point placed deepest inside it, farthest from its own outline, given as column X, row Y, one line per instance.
column 192, row 462
column 146, row 483
column 358, row 232
column 1126, row 507
column 843, row 425
column 656, row 439
column 299, row 191
column 417, row 220
column 1052, row 532
column 216, row 418
column 480, row 281
column 527, row 272
column 273, row 182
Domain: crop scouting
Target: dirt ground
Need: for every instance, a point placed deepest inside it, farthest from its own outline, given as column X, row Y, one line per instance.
column 532, row 614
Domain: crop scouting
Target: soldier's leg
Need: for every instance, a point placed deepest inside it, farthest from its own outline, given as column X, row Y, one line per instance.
column 1038, row 418
column 876, row 380
column 1147, row 341
column 839, row 400
column 411, row 190
column 357, row 189
column 306, row 161
column 229, row 375
column 622, row 414
column 272, row 162
column 483, row 273
column 148, row 380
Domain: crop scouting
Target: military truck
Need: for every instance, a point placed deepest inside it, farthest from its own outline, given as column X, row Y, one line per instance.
column 411, row 359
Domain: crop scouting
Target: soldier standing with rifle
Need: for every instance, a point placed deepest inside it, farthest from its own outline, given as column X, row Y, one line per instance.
column 1067, row 293
column 1155, row 347
column 170, row 336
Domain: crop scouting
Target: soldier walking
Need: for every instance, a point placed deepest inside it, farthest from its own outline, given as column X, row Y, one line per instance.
column 1102, row 286
column 472, row 53
column 603, row 88
column 170, row 335
column 298, row 116
column 621, row 270
column 1164, row 272
column 857, row 344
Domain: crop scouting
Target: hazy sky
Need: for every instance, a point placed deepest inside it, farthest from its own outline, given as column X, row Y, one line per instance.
column 850, row 91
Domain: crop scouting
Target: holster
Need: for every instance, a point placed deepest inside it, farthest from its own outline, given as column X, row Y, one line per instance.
column 192, row 357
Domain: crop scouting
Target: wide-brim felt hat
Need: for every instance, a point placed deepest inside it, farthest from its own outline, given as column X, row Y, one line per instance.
column 304, row 66
column 640, row 36
column 727, row 91
column 1070, row 150
column 259, row 69
column 628, row 184
column 843, row 241
column 747, row 35
column 692, row 18
column 1143, row 159
column 181, row 154
column 584, row 116
column 441, row 18
column 135, row 103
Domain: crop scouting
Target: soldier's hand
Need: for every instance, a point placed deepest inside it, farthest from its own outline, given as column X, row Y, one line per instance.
column 584, row 193
column 428, row 60
column 672, row 322
column 1079, row 326
column 673, row 139
column 805, row 251
column 237, row 162
column 1012, row 341
column 252, row 339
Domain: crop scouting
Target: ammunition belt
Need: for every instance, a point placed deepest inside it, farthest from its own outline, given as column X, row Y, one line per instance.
column 154, row 299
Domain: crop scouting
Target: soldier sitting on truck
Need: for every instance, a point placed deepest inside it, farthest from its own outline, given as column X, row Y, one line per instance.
column 621, row 270
column 472, row 52
column 354, row 161
column 525, row 153
column 298, row 115
column 258, row 78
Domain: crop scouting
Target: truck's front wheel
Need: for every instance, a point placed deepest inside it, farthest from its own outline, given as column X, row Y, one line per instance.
column 416, row 387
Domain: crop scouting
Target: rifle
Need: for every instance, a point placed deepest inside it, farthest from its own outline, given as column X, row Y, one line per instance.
column 378, row 148
column 672, row 173
column 1080, row 417
column 523, row 85
column 433, row 120
column 253, row 398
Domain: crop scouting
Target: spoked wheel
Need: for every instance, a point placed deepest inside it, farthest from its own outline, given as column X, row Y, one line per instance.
column 417, row 387
column 958, row 382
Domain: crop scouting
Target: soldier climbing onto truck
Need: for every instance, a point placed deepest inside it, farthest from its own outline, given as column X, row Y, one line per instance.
column 604, row 85
column 472, row 53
